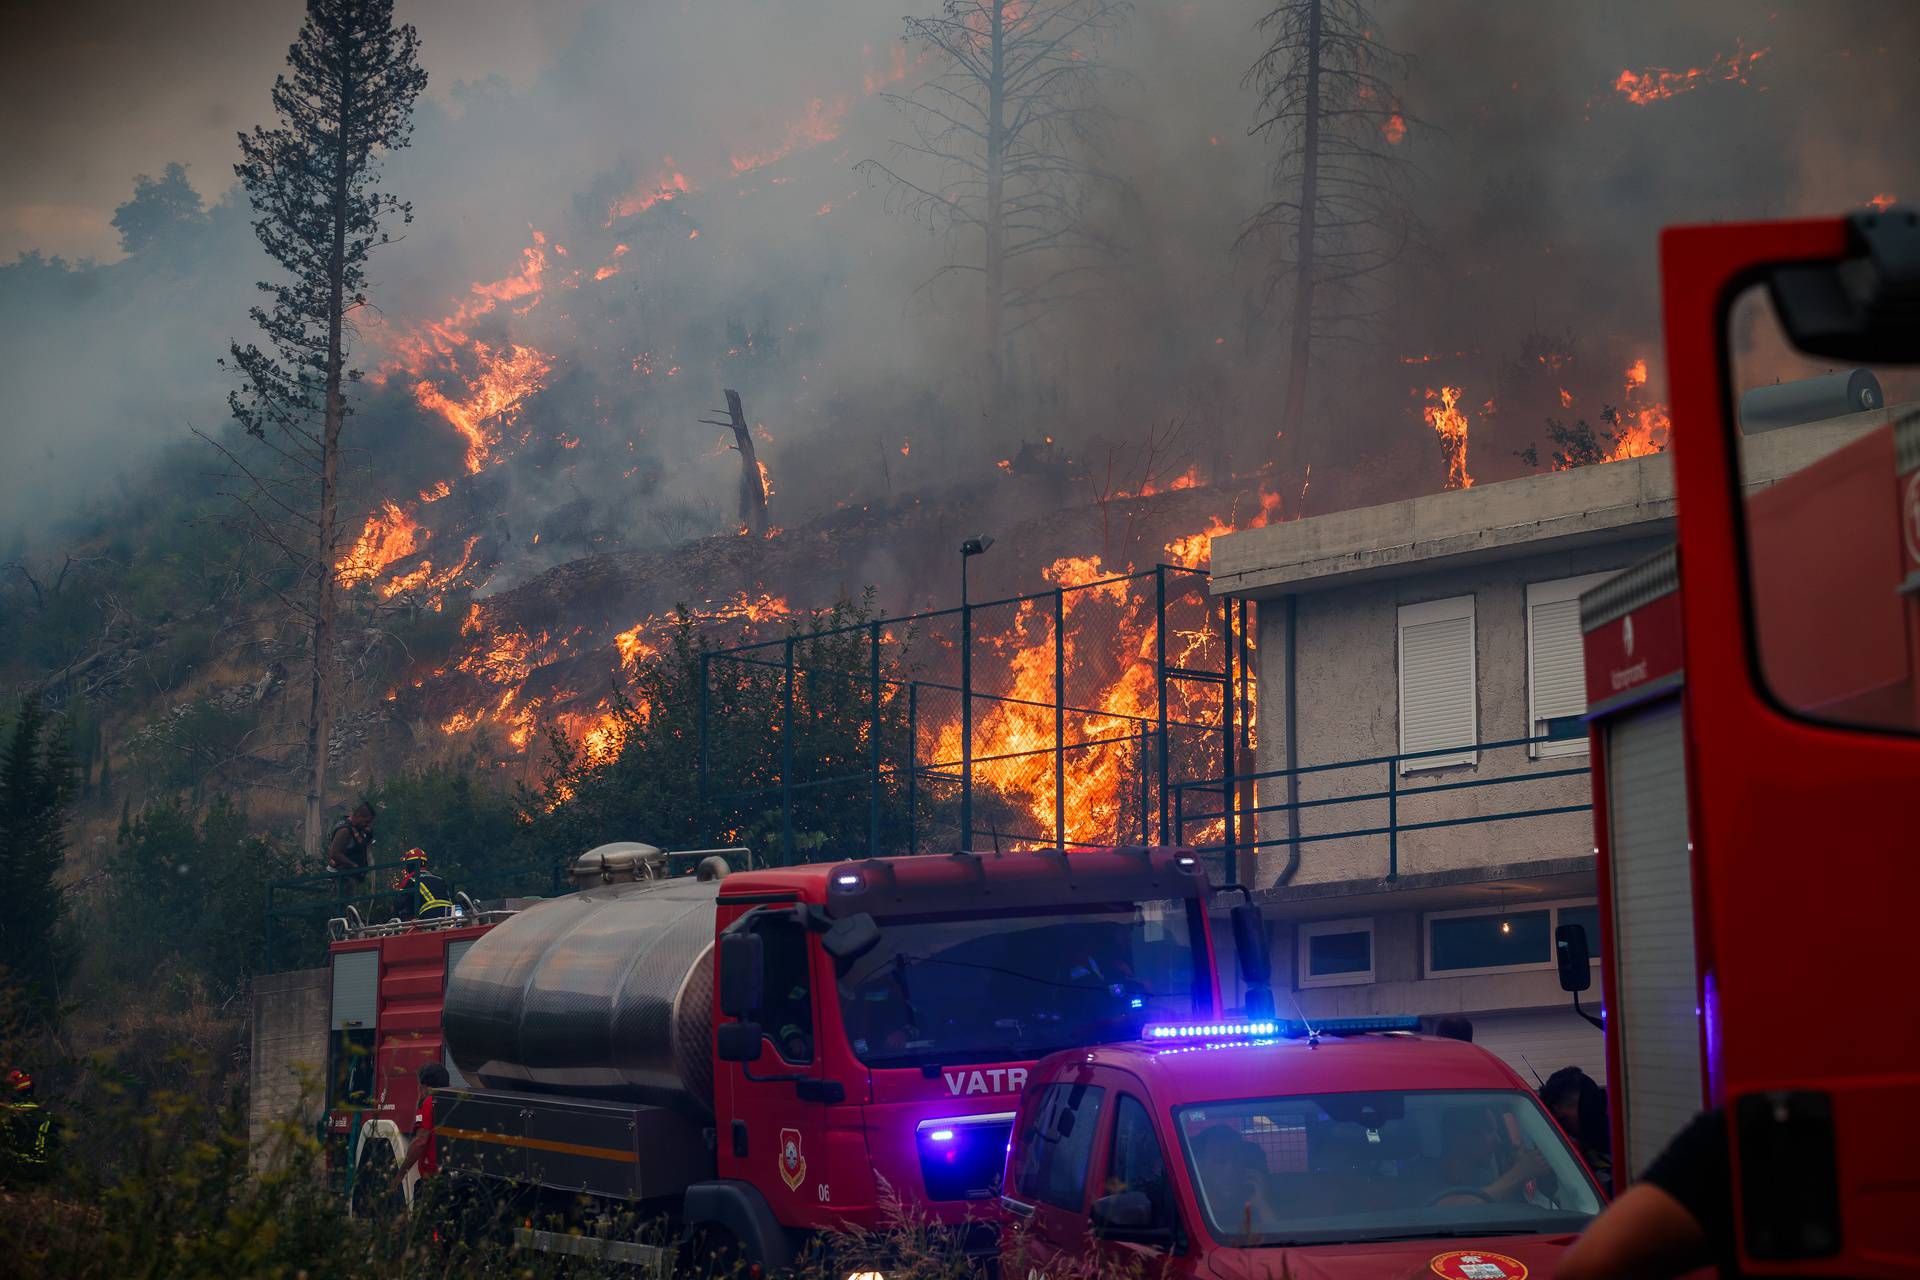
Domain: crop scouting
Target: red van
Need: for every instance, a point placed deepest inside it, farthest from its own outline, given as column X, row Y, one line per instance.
column 1353, row 1148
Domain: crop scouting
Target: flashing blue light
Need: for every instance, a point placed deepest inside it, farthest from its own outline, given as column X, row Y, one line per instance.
column 1138, row 1002
column 940, row 1135
column 1270, row 1028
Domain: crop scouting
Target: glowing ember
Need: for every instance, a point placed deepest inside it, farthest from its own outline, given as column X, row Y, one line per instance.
column 1394, row 129
column 492, row 400
column 766, row 478
column 1449, row 422
column 1656, row 84
column 1882, row 202
column 1566, row 398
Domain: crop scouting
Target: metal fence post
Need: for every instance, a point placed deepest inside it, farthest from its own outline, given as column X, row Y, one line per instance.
column 1393, row 819
column 966, row 723
column 1160, row 661
column 786, row 766
column 1060, row 719
column 705, row 665
column 873, row 751
column 1145, row 729
column 1228, row 790
column 913, row 767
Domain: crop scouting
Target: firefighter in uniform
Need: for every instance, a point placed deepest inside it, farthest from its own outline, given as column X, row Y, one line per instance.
column 29, row 1131
column 422, row 894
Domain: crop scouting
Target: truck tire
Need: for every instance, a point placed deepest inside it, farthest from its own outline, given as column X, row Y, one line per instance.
column 735, row 1211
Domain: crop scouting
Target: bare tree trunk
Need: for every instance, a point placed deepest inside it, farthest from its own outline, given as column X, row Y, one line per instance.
column 320, row 706
column 1300, row 346
column 996, row 228
column 753, row 486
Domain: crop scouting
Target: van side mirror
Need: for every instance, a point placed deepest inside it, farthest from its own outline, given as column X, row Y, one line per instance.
column 1127, row 1216
column 851, row 938
column 742, row 970
column 1570, row 949
column 1256, row 963
column 739, row 1042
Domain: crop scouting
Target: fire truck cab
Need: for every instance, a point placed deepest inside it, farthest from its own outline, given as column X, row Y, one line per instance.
column 1267, row 1148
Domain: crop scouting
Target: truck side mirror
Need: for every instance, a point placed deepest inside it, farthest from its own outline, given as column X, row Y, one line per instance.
column 739, row 1042
column 742, row 968
column 851, row 938
column 1570, row 949
column 1256, row 964
column 1127, row 1216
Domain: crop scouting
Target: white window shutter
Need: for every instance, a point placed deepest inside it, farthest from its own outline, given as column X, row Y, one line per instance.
column 1437, row 690
column 1556, row 659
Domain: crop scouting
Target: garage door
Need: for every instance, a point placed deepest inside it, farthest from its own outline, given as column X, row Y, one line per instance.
column 1539, row 1043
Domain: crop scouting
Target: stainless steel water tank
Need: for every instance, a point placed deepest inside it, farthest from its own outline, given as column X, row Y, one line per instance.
column 607, row 992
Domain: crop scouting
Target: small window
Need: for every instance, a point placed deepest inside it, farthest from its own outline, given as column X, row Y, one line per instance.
column 786, row 997
column 1335, row 953
column 1438, row 710
column 1057, row 1146
column 1137, row 1163
column 1556, row 664
column 1503, row 941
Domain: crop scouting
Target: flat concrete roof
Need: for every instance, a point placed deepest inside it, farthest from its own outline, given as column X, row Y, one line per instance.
column 1559, row 510
column 1506, row 883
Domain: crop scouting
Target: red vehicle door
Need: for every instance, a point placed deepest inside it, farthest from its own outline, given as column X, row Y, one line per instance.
column 1146, row 1236
column 1802, row 750
column 774, row 1133
column 1049, row 1180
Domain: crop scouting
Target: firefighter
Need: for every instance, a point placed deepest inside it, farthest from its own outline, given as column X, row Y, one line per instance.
column 29, row 1133
column 422, row 894
column 350, row 850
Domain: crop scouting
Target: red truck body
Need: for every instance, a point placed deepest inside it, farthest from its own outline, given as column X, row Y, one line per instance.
column 1753, row 703
column 1349, row 1179
column 793, row 1142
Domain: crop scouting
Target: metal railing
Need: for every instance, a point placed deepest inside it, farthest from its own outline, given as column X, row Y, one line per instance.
column 1237, row 801
column 1087, row 706
column 299, row 908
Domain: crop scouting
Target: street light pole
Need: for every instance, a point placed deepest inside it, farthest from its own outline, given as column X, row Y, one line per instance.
column 968, row 550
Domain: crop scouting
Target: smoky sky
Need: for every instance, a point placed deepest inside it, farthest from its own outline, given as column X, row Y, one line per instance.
column 1543, row 190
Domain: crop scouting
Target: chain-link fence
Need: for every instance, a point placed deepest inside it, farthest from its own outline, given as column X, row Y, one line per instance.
column 1061, row 719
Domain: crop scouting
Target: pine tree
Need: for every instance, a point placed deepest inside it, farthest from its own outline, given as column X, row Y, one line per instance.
column 347, row 101
column 36, row 786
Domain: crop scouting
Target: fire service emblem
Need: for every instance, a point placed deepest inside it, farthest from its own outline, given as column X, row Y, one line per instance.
column 793, row 1162
column 1473, row 1265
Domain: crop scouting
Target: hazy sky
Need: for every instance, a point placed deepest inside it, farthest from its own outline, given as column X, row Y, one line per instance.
column 93, row 92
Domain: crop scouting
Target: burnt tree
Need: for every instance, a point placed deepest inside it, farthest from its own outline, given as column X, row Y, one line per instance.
column 1002, row 155
column 346, row 99
column 754, row 489
column 1342, row 210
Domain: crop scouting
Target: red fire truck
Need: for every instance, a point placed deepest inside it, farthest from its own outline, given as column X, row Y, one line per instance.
column 1274, row 1148
column 1754, row 702
column 759, row 1055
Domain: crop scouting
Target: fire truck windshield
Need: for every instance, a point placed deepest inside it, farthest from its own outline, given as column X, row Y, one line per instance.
column 1378, row 1166
column 944, row 989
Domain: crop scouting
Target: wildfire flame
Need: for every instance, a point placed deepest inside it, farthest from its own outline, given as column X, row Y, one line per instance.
column 390, row 535
column 492, row 400
column 1881, row 202
column 1656, row 84
column 1449, row 422
column 658, row 188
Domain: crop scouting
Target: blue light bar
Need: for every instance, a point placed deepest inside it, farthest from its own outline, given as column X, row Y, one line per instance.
column 940, row 1135
column 1272, row 1028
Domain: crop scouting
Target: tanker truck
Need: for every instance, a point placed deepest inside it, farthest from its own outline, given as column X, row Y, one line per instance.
column 755, row 1057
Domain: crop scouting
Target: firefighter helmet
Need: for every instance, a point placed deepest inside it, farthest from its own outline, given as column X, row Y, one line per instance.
column 19, row 1082
column 415, row 857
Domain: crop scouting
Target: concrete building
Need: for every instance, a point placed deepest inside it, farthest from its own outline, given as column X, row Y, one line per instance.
column 1415, row 852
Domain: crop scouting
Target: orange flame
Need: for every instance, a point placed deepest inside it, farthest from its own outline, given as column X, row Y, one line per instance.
column 1449, row 422
column 1882, row 202
column 1656, row 84
column 668, row 184
column 1395, row 129
column 390, row 535
column 819, row 123
column 492, row 400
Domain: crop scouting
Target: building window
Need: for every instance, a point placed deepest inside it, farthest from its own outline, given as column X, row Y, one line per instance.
column 1556, row 663
column 1514, row 940
column 1336, row 953
column 1437, row 691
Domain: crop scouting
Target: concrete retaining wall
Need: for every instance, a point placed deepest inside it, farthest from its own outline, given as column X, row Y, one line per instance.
column 289, row 1052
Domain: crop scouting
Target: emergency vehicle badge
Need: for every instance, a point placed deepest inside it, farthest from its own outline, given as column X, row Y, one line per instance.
column 1473, row 1265
column 793, row 1163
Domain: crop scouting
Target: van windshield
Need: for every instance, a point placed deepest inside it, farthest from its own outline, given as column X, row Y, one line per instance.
column 1341, row 1167
column 945, row 989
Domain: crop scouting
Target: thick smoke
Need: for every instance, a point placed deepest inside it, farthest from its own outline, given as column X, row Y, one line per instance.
column 1543, row 188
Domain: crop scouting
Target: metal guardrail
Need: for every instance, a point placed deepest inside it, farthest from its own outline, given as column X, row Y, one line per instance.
column 302, row 906
column 1242, row 809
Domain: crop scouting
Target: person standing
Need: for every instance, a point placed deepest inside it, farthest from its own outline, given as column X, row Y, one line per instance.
column 350, row 850
column 422, row 894
column 29, row 1134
